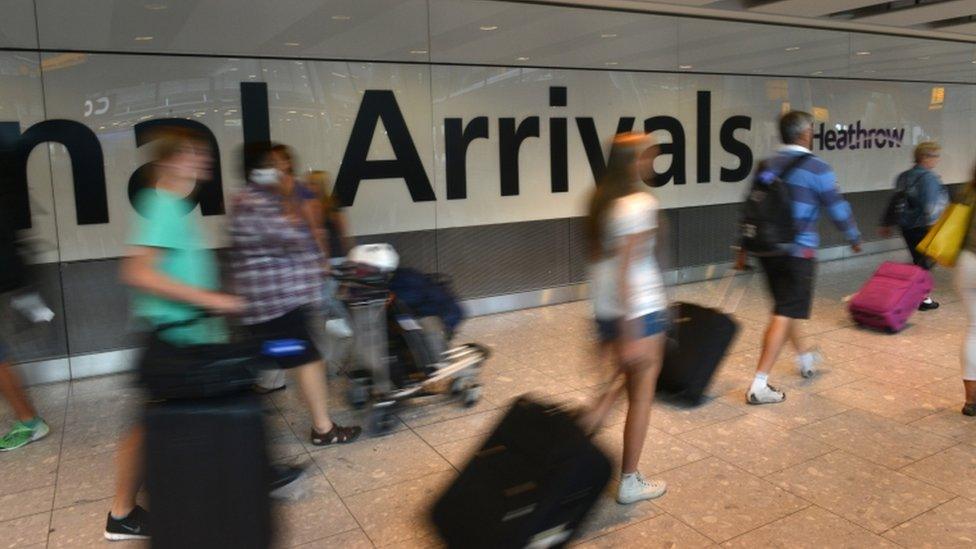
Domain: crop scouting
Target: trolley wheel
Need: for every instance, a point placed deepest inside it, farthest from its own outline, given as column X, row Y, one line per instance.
column 471, row 396
column 383, row 420
column 357, row 394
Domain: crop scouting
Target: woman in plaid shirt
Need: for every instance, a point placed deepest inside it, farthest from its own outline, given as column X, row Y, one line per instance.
column 277, row 266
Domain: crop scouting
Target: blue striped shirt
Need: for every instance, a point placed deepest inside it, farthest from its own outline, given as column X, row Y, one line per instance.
column 813, row 186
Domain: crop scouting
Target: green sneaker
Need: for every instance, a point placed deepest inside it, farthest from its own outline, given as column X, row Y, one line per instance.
column 22, row 434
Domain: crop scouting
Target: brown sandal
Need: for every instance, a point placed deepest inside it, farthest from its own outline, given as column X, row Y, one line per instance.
column 337, row 435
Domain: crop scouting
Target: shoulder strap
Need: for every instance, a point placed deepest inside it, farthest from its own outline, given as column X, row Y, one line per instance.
column 794, row 165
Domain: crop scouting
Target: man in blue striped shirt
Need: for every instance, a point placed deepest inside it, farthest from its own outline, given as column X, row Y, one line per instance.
column 790, row 277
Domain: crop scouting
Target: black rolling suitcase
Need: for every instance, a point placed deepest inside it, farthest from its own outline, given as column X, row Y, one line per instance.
column 207, row 473
column 697, row 342
column 531, row 484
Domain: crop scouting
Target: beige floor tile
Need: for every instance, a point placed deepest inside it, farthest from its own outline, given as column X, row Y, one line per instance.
column 662, row 532
column 607, row 515
column 85, row 479
column 25, row 531
column 32, row 466
column 811, row 528
column 460, row 428
column 892, row 401
column 400, row 512
column 953, row 470
column 501, row 388
column 864, row 493
column 950, row 388
column 459, row 452
column 319, row 514
column 439, row 408
column 797, row 410
column 874, row 438
column 29, row 502
column 898, row 370
column 951, row 525
column 353, row 539
column 584, row 398
column 950, row 423
column 674, row 420
column 662, row 452
column 829, row 375
column 723, row 501
column 376, row 462
column 83, row 525
column 90, row 438
column 755, row 445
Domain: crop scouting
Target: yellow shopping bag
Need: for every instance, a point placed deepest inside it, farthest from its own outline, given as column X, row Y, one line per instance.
column 944, row 241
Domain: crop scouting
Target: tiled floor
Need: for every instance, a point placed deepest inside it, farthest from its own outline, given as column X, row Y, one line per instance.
column 872, row 452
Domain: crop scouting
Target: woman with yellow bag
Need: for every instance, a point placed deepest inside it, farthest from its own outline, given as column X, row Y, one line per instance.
column 965, row 279
column 916, row 206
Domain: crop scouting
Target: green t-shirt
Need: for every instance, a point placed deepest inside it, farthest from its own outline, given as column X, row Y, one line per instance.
column 164, row 223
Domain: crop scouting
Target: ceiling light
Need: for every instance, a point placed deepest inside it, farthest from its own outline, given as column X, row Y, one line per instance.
column 155, row 7
column 292, row 44
column 522, row 58
column 143, row 38
column 793, row 48
column 418, row 52
column 252, row 76
column 684, row 67
column 923, row 58
column 862, row 53
column 816, row 72
column 488, row 27
column 341, row 17
column 973, row 62
column 611, row 63
column 608, row 35
column 292, row 112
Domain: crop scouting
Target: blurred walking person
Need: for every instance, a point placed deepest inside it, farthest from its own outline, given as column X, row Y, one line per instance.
column 790, row 275
column 174, row 275
column 921, row 200
column 629, row 300
column 29, row 426
column 965, row 279
column 279, row 267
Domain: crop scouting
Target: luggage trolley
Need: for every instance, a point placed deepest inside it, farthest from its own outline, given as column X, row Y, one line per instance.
column 393, row 359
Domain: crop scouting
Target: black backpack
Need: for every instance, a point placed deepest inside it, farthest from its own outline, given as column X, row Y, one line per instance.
column 768, row 227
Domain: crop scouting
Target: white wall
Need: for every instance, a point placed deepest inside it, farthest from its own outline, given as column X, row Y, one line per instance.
column 439, row 63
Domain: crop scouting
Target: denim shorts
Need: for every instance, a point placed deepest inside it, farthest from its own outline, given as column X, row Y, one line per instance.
column 652, row 324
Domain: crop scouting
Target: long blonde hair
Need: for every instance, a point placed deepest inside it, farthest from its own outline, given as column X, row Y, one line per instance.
column 619, row 180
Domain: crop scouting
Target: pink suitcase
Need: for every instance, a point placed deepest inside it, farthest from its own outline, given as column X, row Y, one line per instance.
column 890, row 296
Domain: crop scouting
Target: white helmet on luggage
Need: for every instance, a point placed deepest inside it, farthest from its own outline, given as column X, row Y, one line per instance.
column 379, row 256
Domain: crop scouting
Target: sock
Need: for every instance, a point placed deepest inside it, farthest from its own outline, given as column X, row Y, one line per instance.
column 805, row 360
column 122, row 517
column 927, row 301
column 33, row 422
column 759, row 382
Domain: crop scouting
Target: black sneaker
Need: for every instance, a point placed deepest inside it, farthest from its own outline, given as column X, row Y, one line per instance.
column 969, row 409
column 134, row 526
column 928, row 305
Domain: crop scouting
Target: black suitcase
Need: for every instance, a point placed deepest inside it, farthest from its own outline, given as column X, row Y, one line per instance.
column 532, row 483
column 697, row 342
column 207, row 473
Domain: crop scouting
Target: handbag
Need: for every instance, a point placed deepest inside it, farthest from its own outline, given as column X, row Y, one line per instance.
column 944, row 240
column 169, row 371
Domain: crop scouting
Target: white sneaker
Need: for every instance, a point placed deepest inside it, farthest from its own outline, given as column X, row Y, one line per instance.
column 766, row 395
column 808, row 362
column 634, row 488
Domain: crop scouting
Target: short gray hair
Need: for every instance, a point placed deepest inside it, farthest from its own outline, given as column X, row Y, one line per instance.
column 793, row 124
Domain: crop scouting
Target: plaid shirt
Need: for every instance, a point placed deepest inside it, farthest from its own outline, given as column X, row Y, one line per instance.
column 276, row 264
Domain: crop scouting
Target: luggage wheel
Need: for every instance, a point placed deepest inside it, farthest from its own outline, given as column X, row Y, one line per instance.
column 357, row 394
column 383, row 419
column 471, row 396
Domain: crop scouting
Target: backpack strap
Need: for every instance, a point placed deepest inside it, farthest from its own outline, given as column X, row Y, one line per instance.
column 792, row 166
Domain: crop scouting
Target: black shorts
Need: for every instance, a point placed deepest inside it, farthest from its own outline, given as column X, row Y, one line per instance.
column 790, row 280
column 292, row 325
